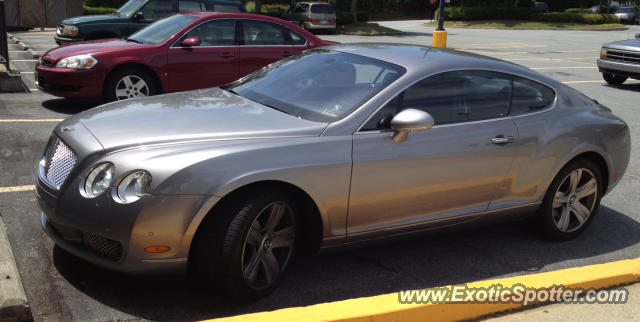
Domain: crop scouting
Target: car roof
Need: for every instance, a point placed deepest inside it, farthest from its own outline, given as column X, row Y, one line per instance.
column 425, row 60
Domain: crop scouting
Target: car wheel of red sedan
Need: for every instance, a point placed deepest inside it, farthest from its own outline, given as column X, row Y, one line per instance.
column 129, row 83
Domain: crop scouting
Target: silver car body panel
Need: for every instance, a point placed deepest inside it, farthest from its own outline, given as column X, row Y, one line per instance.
column 200, row 146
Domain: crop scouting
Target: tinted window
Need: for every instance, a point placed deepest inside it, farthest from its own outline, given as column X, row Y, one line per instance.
column 296, row 39
column 461, row 96
column 318, row 85
column 301, row 8
column 226, row 8
column 159, row 31
column 156, row 9
column 382, row 119
column 530, row 96
column 214, row 33
column 191, row 6
column 131, row 7
column 261, row 33
column 322, row 8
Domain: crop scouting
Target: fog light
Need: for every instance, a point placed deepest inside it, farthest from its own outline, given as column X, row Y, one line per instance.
column 157, row 249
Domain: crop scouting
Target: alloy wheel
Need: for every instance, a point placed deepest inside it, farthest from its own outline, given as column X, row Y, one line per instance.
column 268, row 245
column 575, row 199
column 131, row 86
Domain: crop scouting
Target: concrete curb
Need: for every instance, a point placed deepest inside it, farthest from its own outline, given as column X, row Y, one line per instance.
column 13, row 301
column 387, row 308
column 24, row 46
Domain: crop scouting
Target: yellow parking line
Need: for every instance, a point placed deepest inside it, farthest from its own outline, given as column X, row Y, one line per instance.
column 17, row 188
column 27, row 60
column 583, row 82
column 30, row 120
column 564, row 67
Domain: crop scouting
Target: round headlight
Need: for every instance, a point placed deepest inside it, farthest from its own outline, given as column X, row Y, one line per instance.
column 98, row 180
column 134, row 186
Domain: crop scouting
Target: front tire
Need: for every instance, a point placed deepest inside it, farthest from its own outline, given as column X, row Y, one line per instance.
column 129, row 83
column 572, row 200
column 613, row 79
column 246, row 246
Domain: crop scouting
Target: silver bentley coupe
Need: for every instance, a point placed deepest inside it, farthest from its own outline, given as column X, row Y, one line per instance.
column 330, row 147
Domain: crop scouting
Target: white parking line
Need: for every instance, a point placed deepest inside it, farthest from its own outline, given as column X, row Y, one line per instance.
column 565, row 67
column 17, row 188
column 24, row 60
column 583, row 82
column 29, row 120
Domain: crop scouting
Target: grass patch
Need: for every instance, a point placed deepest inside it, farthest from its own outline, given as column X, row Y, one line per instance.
column 367, row 29
column 522, row 24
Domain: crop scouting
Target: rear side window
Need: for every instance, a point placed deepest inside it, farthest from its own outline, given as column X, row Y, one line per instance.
column 262, row 33
column 226, row 8
column 461, row 96
column 296, row 38
column 322, row 8
column 529, row 96
column 301, row 8
column 191, row 6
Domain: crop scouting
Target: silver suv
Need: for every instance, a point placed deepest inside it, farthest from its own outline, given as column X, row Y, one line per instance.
column 314, row 15
column 620, row 60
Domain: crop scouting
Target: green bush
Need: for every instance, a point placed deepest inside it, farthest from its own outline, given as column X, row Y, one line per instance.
column 531, row 14
column 97, row 10
column 577, row 11
column 345, row 17
column 487, row 13
column 104, row 3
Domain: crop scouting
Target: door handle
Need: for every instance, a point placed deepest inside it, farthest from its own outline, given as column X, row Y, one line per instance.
column 227, row 54
column 502, row 140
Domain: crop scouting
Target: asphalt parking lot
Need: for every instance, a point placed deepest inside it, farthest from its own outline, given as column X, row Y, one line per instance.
column 61, row 287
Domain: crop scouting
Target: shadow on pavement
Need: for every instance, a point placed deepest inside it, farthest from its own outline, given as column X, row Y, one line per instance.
column 67, row 106
column 626, row 86
column 428, row 261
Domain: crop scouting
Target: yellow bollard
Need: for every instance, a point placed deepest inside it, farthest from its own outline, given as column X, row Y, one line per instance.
column 440, row 38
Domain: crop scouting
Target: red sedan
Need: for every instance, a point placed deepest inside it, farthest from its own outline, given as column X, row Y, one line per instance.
column 183, row 52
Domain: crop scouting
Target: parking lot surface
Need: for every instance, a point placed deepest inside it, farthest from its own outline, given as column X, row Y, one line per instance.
column 61, row 287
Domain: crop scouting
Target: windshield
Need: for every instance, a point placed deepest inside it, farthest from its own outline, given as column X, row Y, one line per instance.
column 624, row 10
column 318, row 85
column 159, row 31
column 131, row 7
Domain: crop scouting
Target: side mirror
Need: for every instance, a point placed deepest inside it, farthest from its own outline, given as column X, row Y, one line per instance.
column 410, row 120
column 190, row 42
column 138, row 16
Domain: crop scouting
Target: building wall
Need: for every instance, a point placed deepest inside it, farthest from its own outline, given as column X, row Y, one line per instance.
column 40, row 13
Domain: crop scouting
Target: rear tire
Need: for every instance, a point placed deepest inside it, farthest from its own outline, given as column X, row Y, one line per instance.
column 245, row 247
column 613, row 79
column 572, row 200
column 129, row 83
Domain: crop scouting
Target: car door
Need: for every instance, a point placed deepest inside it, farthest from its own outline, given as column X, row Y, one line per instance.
column 213, row 63
column 449, row 171
column 263, row 43
column 153, row 10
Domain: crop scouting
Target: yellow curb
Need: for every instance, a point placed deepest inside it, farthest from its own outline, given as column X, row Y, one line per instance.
column 387, row 308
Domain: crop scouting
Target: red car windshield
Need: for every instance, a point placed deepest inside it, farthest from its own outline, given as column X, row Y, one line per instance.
column 159, row 31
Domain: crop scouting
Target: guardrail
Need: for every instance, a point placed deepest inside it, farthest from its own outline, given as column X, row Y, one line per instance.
column 4, row 48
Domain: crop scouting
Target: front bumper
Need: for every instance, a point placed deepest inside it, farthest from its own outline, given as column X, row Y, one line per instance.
column 619, row 68
column 70, row 83
column 114, row 236
column 316, row 26
column 64, row 41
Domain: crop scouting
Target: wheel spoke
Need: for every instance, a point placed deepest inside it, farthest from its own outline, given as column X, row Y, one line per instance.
column 565, row 217
column 560, row 200
column 587, row 189
column 122, row 93
column 127, row 81
column 271, row 267
column 575, row 180
column 140, row 85
column 255, row 236
column 251, row 271
column 581, row 212
column 277, row 210
column 282, row 238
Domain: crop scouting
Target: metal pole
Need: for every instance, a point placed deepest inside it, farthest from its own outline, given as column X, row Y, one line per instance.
column 441, row 16
column 4, row 48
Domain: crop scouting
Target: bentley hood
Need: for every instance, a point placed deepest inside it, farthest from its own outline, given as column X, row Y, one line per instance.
column 210, row 114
